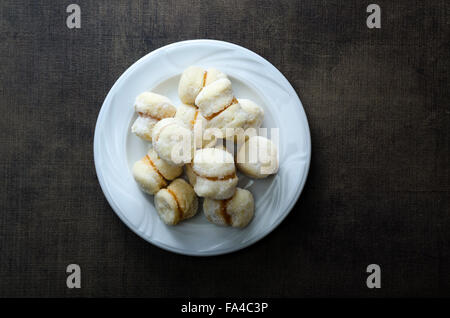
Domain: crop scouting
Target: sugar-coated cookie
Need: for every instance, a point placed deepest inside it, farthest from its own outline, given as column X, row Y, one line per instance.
column 151, row 108
column 213, row 173
column 191, row 117
column 188, row 114
column 257, row 157
column 233, row 118
column 215, row 97
column 169, row 172
column 212, row 75
column 151, row 172
column 193, row 80
column 192, row 177
column 191, row 83
column 255, row 113
column 173, row 141
column 237, row 211
column 176, row 203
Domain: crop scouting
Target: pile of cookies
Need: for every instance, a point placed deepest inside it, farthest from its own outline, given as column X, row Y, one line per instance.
column 192, row 136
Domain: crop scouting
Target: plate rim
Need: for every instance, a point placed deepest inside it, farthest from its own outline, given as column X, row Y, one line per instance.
column 99, row 174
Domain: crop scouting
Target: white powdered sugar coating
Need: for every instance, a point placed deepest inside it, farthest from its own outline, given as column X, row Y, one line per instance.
column 213, row 162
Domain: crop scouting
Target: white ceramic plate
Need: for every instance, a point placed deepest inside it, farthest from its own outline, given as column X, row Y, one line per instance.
column 116, row 148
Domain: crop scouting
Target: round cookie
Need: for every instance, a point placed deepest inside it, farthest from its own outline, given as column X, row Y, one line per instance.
column 176, row 203
column 213, row 173
column 191, row 117
column 213, row 74
column 257, row 157
column 142, row 127
column 255, row 113
column 188, row 114
column 234, row 118
column 151, row 108
column 151, row 172
column 169, row 172
column 237, row 211
column 173, row 141
column 192, row 81
column 215, row 97
column 147, row 177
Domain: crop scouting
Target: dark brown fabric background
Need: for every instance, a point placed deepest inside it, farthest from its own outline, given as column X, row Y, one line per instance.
column 377, row 102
